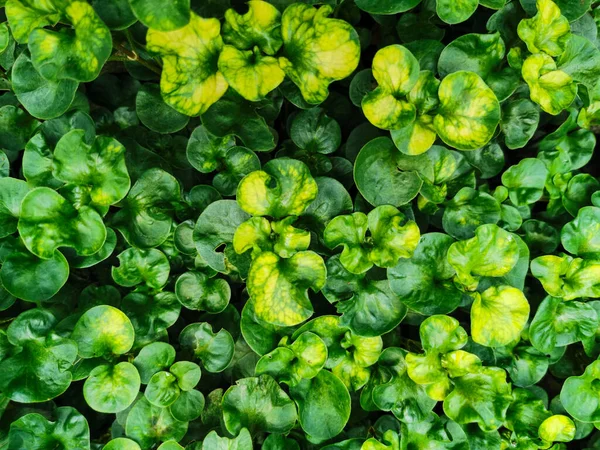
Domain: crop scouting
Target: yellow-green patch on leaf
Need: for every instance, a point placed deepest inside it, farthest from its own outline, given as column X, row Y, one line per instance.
column 548, row 31
column 557, row 428
column 260, row 26
column 24, row 16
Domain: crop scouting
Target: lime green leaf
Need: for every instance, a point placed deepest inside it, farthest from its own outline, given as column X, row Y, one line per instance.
column 566, row 277
column 121, row 444
column 260, row 27
column 67, row 429
column 552, row 89
column 379, row 178
column 258, row 404
column 251, row 74
column 317, row 50
column 24, row 16
column 278, row 287
column 162, row 389
column 110, row 389
column 48, row 222
column 213, row 441
column 154, row 113
column 580, row 397
column 548, row 31
column 281, row 237
column 96, row 171
column 148, row 424
column 558, row 323
column 493, row 252
column 103, row 331
column 323, row 406
column 469, row 111
column 190, row 81
column 557, row 428
column 424, row 282
column 498, row 316
column 44, row 99
column 38, row 369
column 77, row 54
column 137, row 266
column 396, row 71
column 162, row 16
column 284, row 187
column 481, row 397
column 525, row 181
column 455, row 11
column 145, row 219
column 215, row 350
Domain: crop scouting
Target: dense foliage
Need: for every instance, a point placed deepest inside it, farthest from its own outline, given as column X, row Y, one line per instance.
column 337, row 224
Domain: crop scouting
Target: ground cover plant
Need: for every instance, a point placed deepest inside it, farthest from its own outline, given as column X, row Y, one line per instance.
column 337, row 225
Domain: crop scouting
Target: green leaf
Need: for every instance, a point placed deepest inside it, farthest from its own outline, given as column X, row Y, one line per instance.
column 581, row 236
column 525, row 181
column 314, row 131
column 558, row 323
column 67, row 429
column 205, row 151
column 121, row 444
column 284, row 187
column 467, row 211
column 162, row 389
column 520, row 119
column 478, row 53
column 260, row 27
column 469, row 111
column 424, row 281
column 378, row 178
column 258, row 404
column 278, row 287
column 42, row 98
column 48, row 222
column 111, row 389
column 396, row 71
column 492, row 252
column 481, row 397
column 243, row 441
column 215, row 350
column 153, row 358
column 145, row 220
column 548, row 31
column 38, row 370
column 498, row 316
column 552, row 89
column 137, row 266
column 455, row 11
column 95, row 172
column 116, row 14
column 188, row 406
column 190, row 81
column 12, row 192
column 199, row 292
column 154, row 113
column 579, row 395
column 77, row 54
column 290, row 364
column 368, row 306
column 16, row 127
column 19, row 275
column 148, row 425
column 103, row 331
column 323, row 406
column 566, row 277
column 317, row 50
column 386, row 6
column 214, row 229
column 557, row 428
column 162, row 16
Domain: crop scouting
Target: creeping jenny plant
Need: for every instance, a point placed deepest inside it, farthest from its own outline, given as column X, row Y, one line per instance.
column 299, row 224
